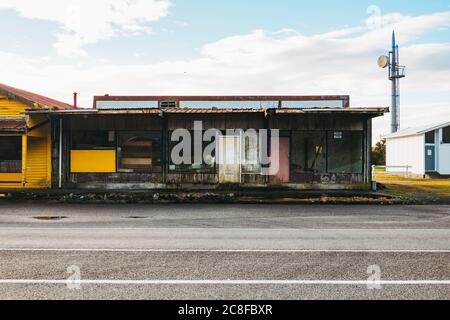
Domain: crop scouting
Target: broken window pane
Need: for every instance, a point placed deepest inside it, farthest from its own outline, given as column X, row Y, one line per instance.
column 10, row 154
column 345, row 152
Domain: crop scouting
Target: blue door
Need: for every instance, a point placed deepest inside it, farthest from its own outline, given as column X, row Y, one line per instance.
column 430, row 158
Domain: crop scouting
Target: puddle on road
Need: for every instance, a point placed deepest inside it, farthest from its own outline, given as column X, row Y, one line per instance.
column 50, row 218
column 136, row 217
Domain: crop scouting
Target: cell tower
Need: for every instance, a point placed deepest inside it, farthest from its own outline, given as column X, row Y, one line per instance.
column 396, row 72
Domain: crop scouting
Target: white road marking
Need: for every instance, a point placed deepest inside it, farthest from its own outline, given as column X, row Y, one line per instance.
column 220, row 250
column 56, row 228
column 227, row 282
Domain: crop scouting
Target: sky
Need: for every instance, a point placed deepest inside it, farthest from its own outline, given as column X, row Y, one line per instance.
column 254, row 47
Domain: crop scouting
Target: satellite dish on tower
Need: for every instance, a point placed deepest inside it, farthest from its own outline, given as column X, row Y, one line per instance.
column 383, row 61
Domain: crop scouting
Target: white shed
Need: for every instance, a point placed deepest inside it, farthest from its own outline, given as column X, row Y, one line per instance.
column 425, row 150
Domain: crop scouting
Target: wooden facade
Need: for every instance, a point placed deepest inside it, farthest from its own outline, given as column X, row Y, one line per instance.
column 122, row 145
column 164, row 124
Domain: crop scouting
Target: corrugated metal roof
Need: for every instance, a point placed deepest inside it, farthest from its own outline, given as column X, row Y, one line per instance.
column 34, row 98
column 211, row 110
column 13, row 124
column 376, row 110
column 337, row 110
column 415, row 131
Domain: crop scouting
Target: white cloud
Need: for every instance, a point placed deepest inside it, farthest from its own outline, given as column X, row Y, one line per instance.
column 84, row 22
column 286, row 62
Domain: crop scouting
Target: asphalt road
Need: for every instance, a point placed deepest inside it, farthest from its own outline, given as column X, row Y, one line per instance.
column 224, row 252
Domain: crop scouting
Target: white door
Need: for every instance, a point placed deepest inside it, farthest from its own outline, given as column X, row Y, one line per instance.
column 229, row 159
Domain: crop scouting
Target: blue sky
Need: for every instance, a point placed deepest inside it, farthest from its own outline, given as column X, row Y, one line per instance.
column 192, row 23
column 229, row 47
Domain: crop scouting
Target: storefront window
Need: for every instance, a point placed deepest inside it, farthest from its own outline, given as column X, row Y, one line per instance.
column 139, row 151
column 250, row 152
column 10, row 154
column 93, row 140
column 309, row 151
column 191, row 165
column 345, row 151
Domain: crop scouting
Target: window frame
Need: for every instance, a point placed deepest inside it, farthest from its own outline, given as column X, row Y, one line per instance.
column 18, row 162
column 327, row 152
column 427, row 135
column 361, row 132
column 204, row 169
column 112, row 147
column 248, row 168
column 443, row 135
column 324, row 151
column 154, row 168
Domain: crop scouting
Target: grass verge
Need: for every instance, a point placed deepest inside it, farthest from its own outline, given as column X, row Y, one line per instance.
column 415, row 188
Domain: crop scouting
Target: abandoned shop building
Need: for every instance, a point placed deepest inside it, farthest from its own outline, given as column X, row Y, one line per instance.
column 126, row 142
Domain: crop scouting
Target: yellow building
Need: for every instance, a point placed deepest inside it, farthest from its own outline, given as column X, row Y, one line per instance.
column 25, row 140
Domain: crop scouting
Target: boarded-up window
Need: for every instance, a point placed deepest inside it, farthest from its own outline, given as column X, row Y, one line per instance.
column 309, row 151
column 139, row 151
column 446, row 135
column 10, row 154
column 345, row 152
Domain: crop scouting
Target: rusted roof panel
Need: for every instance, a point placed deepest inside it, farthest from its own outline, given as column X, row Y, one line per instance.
column 31, row 97
column 211, row 110
column 376, row 110
column 129, row 111
column 333, row 110
column 13, row 125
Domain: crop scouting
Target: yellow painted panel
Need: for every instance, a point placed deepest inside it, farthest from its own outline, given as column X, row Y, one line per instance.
column 11, row 108
column 92, row 161
column 41, row 132
column 38, row 163
column 11, row 186
column 35, row 119
column 10, row 178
